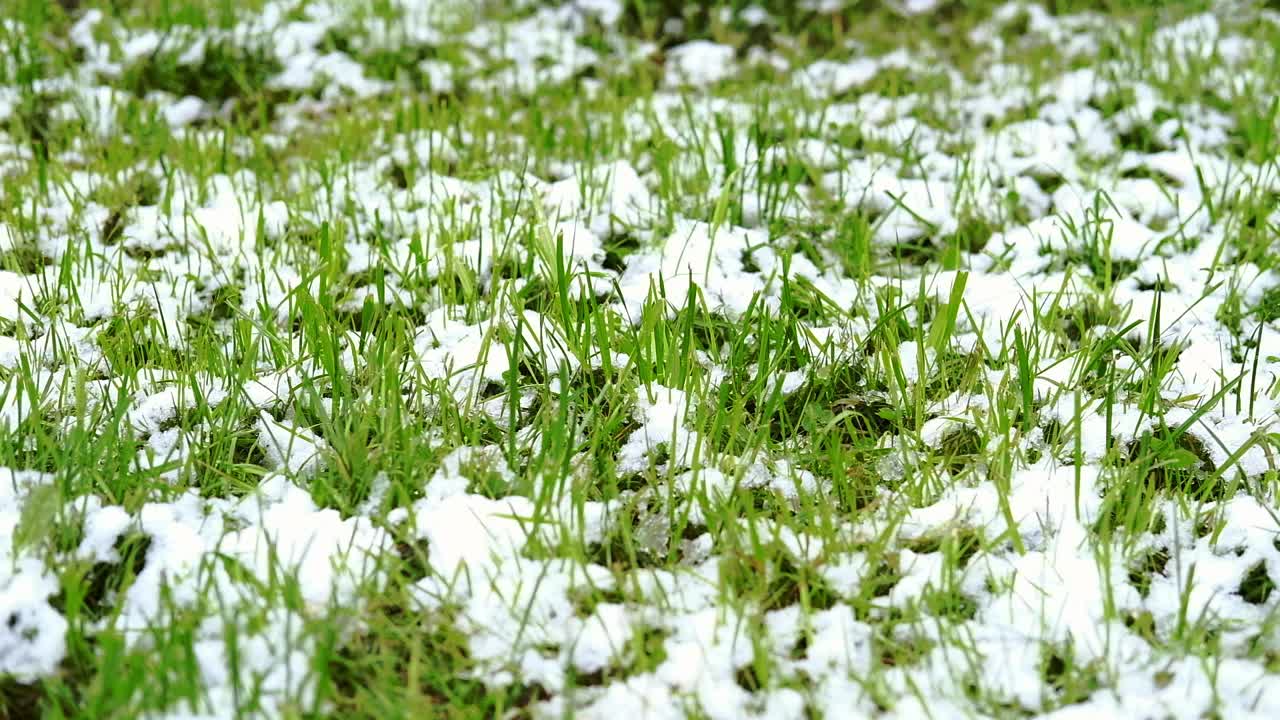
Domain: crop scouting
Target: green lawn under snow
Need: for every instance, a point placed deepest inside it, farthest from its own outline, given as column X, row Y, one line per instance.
column 639, row 359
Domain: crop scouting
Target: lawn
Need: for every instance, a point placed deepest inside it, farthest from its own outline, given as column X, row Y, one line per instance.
column 639, row 359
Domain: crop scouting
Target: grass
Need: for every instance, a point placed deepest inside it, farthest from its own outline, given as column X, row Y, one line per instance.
column 871, row 451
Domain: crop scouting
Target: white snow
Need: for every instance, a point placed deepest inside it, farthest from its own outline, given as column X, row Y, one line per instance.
column 699, row 63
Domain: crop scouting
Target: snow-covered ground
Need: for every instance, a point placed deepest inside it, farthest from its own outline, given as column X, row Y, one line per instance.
column 546, row 359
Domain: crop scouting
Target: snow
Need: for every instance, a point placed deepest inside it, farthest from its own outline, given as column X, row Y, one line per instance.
column 184, row 111
column 102, row 528
column 696, row 255
column 32, row 633
column 661, row 412
column 699, row 63
column 296, row 451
